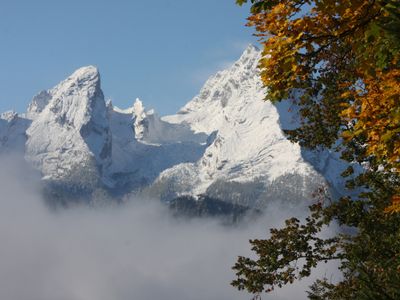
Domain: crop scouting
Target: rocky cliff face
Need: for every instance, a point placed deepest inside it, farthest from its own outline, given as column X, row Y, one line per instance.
column 13, row 133
column 227, row 143
column 70, row 129
column 249, row 156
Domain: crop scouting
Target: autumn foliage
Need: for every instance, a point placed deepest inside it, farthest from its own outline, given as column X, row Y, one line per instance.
column 343, row 58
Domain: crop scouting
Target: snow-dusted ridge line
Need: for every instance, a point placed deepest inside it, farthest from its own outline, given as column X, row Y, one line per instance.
column 249, row 144
column 72, row 130
column 226, row 134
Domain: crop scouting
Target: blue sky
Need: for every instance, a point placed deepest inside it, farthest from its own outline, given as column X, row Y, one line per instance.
column 161, row 50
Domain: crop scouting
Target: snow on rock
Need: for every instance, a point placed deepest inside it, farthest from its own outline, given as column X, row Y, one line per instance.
column 140, row 124
column 144, row 145
column 38, row 103
column 149, row 128
column 71, row 131
column 248, row 143
column 226, row 142
column 12, row 132
column 326, row 161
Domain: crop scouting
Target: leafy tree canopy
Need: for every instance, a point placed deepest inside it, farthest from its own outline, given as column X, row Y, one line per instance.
column 343, row 56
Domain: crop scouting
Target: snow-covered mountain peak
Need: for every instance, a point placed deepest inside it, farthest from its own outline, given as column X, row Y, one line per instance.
column 77, row 99
column 9, row 116
column 227, row 142
column 12, row 132
column 73, row 127
column 138, row 108
column 249, row 56
column 87, row 73
column 140, row 121
column 246, row 139
column 38, row 103
column 227, row 92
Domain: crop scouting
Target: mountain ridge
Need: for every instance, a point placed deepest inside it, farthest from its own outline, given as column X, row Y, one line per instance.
column 226, row 142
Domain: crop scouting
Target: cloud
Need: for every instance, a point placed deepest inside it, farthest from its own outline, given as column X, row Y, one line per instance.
column 133, row 251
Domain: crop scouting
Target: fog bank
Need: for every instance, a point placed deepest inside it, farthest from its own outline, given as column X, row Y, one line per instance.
column 132, row 251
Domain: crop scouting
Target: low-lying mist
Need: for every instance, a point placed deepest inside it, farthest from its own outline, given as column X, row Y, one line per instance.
column 134, row 251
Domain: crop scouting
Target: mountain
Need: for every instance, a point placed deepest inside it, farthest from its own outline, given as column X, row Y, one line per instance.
column 249, row 161
column 143, row 145
column 226, row 144
column 70, row 135
column 13, row 132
